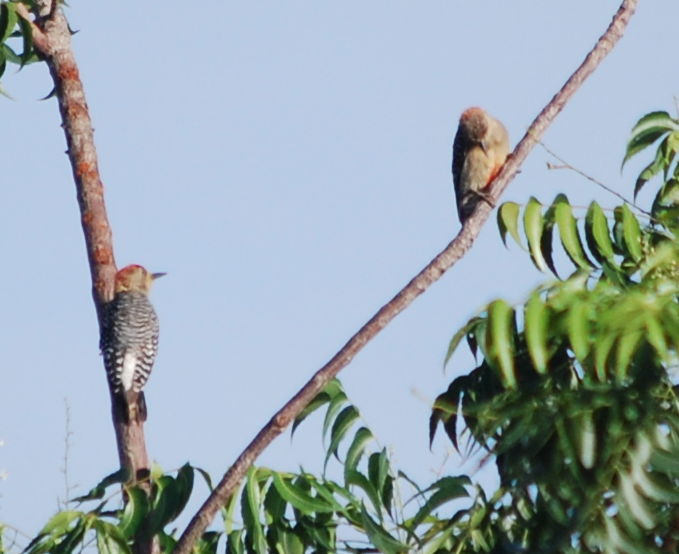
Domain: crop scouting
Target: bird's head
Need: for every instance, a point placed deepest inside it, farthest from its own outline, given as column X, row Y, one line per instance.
column 135, row 278
column 475, row 121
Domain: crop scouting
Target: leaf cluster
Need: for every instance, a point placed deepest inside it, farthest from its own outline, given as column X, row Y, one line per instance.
column 575, row 392
column 299, row 512
column 13, row 26
column 145, row 513
column 285, row 512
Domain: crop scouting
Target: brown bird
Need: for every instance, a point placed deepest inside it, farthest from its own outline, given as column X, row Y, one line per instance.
column 480, row 149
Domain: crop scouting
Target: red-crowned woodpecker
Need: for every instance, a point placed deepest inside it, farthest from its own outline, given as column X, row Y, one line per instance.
column 129, row 340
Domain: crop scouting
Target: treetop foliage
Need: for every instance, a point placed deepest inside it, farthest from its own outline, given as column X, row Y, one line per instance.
column 575, row 393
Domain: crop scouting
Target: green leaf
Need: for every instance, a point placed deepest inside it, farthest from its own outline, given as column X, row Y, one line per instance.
column 335, row 406
column 357, row 479
column 291, row 543
column 118, row 477
column 185, row 477
column 229, row 510
column 536, row 317
column 632, row 233
column 163, row 498
column 378, row 469
column 207, row 544
column 134, row 513
column 597, row 234
column 634, row 502
column 667, row 462
column 579, row 331
column 74, row 537
column 170, row 496
column 361, row 440
column 445, row 410
column 647, row 130
column 156, row 471
column 438, row 544
column 652, row 169
column 322, row 537
column 444, row 490
column 274, row 504
column 109, row 539
column 206, row 477
column 250, row 508
column 508, row 220
column 457, row 338
column 234, row 542
column 331, row 390
column 500, row 342
column 380, row 537
column 587, row 440
column 8, row 20
column 299, row 498
column 324, row 492
column 656, row 336
column 532, row 224
column 603, row 347
column 568, row 231
column 27, row 34
column 50, row 535
column 388, row 495
column 342, row 424
column 627, row 346
column 477, row 332
column 321, row 399
column 546, row 238
column 10, row 55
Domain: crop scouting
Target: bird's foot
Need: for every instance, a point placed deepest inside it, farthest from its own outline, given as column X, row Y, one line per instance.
column 487, row 198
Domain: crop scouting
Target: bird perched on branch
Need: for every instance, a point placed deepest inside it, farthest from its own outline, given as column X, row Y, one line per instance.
column 129, row 340
column 480, row 149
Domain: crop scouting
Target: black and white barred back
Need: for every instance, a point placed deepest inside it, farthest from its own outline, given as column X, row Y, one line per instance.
column 129, row 344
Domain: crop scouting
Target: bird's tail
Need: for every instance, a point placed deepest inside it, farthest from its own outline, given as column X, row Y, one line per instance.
column 131, row 407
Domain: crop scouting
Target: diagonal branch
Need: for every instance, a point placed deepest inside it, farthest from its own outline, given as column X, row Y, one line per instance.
column 52, row 40
column 436, row 268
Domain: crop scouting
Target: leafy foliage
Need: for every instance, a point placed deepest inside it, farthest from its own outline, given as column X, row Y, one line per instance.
column 14, row 28
column 114, row 530
column 284, row 512
column 576, row 391
column 300, row 512
column 651, row 129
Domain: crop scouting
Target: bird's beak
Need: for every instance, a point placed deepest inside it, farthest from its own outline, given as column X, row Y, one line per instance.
column 157, row 275
column 483, row 147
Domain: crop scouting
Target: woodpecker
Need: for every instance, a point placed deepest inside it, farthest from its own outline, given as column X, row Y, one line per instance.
column 129, row 340
column 480, row 149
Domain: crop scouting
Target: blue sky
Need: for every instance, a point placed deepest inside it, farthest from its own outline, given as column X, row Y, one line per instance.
column 288, row 165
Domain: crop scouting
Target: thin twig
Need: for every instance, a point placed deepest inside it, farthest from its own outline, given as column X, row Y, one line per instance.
column 67, row 447
column 430, row 274
column 17, row 532
column 566, row 165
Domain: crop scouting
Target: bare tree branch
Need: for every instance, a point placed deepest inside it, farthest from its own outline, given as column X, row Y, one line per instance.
column 436, row 268
column 52, row 39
